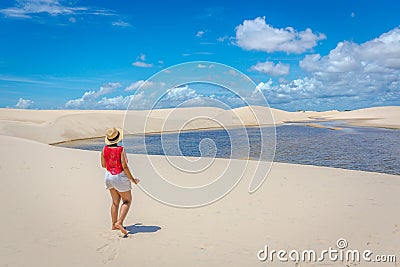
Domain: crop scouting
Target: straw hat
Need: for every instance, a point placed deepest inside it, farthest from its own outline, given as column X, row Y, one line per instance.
column 113, row 136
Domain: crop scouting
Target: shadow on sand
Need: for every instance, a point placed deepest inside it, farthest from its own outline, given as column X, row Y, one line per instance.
column 140, row 228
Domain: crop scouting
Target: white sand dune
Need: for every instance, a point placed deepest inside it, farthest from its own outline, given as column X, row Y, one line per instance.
column 386, row 117
column 55, row 210
column 52, row 126
column 56, row 213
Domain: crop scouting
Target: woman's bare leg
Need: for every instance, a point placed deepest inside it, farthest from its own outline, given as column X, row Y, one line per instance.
column 126, row 203
column 116, row 199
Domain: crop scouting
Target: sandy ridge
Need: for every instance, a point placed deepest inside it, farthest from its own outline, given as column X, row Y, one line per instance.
column 56, row 214
column 52, row 126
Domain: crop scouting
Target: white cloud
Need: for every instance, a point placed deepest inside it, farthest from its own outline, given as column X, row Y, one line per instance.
column 99, row 99
column 181, row 93
column 370, row 66
column 22, row 80
column 258, row 35
column 108, row 88
column 139, row 84
column 271, row 68
column 134, row 86
column 72, row 20
column 121, row 102
column 30, row 8
column 183, row 96
column 200, row 34
column 141, row 64
column 25, row 8
column 196, row 53
column 89, row 98
column 204, row 66
column 121, row 23
column 223, row 38
column 350, row 76
column 25, row 104
column 142, row 57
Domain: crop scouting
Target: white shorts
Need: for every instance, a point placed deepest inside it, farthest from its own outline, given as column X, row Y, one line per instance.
column 119, row 181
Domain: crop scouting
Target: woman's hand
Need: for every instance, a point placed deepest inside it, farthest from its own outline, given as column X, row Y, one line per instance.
column 135, row 181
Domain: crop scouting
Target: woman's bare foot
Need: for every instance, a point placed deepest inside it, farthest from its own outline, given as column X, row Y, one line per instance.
column 121, row 228
column 115, row 228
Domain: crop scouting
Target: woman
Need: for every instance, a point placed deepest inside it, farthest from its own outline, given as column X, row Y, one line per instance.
column 118, row 177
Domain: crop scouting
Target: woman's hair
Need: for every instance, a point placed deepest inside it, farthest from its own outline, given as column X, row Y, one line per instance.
column 113, row 145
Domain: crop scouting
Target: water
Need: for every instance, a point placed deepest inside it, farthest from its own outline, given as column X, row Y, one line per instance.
column 355, row 148
column 366, row 149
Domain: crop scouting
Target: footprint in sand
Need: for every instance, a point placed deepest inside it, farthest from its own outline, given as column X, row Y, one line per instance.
column 396, row 229
column 110, row 249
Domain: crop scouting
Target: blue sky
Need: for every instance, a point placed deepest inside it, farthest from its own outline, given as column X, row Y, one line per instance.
column 312, row 55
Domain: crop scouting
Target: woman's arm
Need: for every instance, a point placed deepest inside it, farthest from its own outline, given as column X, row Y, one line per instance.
column 126, row 168
column 103, row 161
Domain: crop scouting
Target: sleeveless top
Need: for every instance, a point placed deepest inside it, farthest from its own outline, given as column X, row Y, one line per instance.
column 112, row 156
